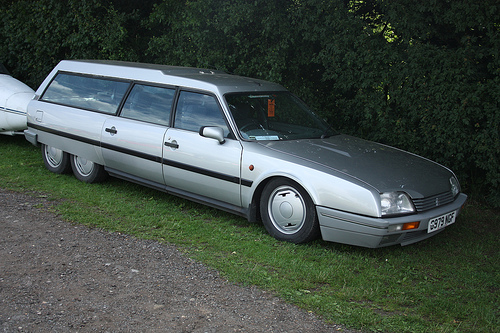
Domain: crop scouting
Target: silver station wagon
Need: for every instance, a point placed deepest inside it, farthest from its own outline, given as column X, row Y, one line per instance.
column 243, row 145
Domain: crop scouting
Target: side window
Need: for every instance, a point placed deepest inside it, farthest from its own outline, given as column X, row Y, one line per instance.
column 91, row 93
column 195, row 110
column 147, row 103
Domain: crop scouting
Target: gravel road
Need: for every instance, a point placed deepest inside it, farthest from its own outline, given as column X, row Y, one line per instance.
column 59, row 277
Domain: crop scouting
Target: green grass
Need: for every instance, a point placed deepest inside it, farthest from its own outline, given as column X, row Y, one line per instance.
column 449, row 283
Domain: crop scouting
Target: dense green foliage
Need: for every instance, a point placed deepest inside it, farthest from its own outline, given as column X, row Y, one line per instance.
column 419, row 75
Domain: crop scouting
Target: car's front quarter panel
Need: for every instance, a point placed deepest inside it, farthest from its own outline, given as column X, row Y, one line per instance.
column 324, row 188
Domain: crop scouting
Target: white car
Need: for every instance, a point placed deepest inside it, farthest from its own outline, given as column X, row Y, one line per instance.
column 14, row 99
column 243, row 145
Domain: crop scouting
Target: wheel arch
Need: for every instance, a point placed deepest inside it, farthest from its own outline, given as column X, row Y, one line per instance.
column 254, row 213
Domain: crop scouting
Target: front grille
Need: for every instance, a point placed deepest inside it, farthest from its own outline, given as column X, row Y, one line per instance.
column 433, row 201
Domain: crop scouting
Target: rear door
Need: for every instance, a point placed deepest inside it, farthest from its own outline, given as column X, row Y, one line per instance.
column 133, row 142
column 197, row 164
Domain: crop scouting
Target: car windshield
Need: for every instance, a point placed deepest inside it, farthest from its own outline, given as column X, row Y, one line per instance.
column 275, row 116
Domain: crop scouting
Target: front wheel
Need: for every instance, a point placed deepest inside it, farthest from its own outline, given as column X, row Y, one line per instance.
column 87, row 171
column 288, row 212
column 55, row 160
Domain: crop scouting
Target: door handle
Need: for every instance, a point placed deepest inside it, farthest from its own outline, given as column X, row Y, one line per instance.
column 172, row 144
column 111, row 130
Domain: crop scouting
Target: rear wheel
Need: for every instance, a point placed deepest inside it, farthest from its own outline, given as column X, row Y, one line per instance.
column 87, row 171
column 288, row 212
column 55, row 159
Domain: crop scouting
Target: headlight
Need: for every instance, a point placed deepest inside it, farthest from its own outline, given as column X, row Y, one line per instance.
column 455, row 186
column 396, row 203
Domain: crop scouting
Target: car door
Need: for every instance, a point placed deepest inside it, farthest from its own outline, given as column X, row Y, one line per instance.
column 197, row 164
column 133, row 142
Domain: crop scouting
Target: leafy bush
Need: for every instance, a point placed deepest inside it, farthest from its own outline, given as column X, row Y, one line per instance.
column 36, row 35
column 422, row 76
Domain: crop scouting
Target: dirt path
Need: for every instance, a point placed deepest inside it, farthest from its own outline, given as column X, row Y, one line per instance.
column 59, row 277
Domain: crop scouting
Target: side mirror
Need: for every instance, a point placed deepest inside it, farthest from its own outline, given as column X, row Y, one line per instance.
column 213, row 132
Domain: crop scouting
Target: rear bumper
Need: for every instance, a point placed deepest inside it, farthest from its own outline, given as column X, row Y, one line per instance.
column 347, row 228
column 31, row 137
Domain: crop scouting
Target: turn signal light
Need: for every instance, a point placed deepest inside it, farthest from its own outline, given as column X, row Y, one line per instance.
column 404, row 226
column 411, row 225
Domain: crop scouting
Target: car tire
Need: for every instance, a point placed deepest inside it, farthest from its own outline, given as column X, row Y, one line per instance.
column 87, row 171
column 288, row 213
column 56, row 160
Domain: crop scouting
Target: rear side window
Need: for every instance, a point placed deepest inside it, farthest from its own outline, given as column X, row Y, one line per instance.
column 86, row 92
column 148, row 103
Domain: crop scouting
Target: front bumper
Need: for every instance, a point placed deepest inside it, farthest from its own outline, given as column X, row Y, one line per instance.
column 347, row 228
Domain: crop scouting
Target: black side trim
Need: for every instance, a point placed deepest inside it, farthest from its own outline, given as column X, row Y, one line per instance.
column 247, row 183
column 209, row 173
column 158, row 159
column 131, row 152
column 65, row 134
column 201, row 171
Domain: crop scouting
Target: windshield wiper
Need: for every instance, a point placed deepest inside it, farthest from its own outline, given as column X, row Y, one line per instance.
column 325, row 133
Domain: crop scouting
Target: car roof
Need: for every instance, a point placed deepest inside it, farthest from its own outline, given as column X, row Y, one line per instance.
column 196, row 78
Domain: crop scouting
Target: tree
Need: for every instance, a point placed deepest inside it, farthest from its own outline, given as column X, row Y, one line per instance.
column 35, row 35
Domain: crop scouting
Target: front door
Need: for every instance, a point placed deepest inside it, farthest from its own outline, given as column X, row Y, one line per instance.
column 197, row 164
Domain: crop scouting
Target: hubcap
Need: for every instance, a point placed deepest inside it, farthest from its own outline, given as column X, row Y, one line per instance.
column 83, row 165
column 287, row 209
column 54, row 156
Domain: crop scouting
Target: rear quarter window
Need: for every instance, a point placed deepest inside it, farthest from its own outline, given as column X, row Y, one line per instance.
column 86, row 92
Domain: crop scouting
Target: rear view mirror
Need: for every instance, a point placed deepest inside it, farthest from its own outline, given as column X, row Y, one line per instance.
column 213, row 132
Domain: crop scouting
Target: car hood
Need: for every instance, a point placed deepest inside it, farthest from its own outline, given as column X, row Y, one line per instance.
column 383, row 167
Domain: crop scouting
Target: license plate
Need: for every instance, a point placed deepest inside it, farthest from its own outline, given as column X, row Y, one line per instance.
column 441, row 221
